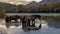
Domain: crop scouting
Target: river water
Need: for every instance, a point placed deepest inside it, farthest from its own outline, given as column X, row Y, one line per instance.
column 45, row 29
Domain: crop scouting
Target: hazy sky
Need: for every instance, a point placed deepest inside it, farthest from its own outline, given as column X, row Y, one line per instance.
column 19, row 1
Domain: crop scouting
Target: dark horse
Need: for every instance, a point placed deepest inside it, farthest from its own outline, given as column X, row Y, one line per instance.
column 9, row 18
column 26, row 23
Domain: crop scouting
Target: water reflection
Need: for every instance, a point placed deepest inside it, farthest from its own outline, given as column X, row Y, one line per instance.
column 3, row 29
column 45, row 29
column 54, row 24
column 36, row 26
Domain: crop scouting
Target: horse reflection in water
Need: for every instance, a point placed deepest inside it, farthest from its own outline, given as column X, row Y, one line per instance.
column 28, row 22
column 13, row 20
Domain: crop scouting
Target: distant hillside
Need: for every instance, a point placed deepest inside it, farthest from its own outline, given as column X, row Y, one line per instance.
column 33, row 7
column 45, row 8
column 8, row 6
column 48, row 1
column 33, row 3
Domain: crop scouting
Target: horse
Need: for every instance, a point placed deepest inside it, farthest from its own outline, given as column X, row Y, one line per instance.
column 26, row 23
column 9, row 18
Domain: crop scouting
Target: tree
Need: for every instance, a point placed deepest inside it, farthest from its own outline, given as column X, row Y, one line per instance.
column 2, row 12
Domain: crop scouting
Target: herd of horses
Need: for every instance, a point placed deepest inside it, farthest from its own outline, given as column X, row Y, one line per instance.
column 28, row 22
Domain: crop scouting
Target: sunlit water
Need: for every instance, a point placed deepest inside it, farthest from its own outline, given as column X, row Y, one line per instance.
column 45, row 29
column 18, row 30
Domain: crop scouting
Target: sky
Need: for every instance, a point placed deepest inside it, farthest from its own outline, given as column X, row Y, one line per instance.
column 19, row 1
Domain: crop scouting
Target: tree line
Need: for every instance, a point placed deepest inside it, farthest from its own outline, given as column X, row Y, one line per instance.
column 46, row 8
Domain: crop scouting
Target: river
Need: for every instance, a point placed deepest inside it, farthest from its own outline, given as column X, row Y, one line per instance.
column 45, row 29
